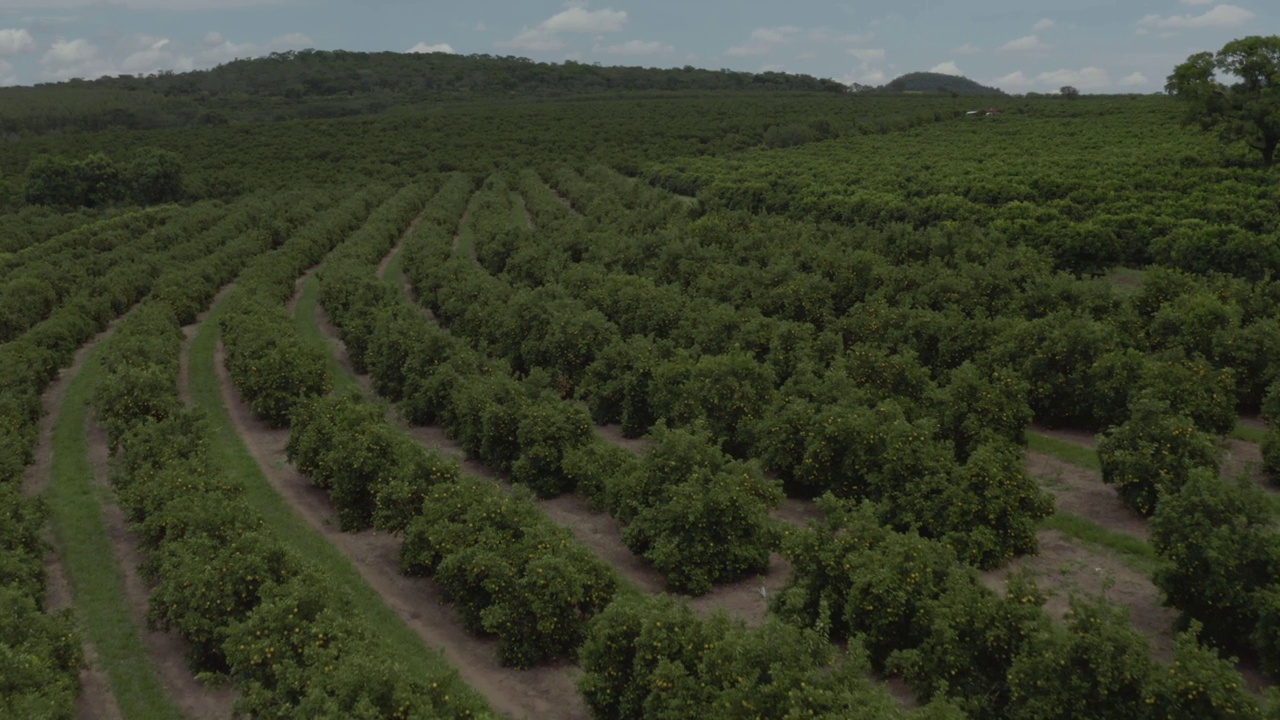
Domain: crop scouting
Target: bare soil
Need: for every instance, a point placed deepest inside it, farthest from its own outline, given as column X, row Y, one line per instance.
column 96, row 700
column 542, row 692
column 196, row 700
column 1083, row 438
column 1080, row 491
column 613, row 433
column 1062, row 568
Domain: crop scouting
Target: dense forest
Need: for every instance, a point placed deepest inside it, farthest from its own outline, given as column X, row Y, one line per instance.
column 385, row 386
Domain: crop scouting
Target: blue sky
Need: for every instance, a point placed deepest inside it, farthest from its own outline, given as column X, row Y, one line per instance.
column 1017, row 45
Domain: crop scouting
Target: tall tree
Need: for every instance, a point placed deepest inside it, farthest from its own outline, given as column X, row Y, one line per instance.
column 1248, row 109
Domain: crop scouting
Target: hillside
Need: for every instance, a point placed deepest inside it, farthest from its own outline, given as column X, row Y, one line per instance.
column 313, row 84
column 930, row 82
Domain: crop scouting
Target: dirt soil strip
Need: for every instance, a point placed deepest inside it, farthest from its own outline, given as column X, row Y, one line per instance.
column 1081, row 492
column 546, row 692
column 386, row 261
column 1082, row 438
column 196, row 700
column 96, row 700
column 1062, row 568
column 746, row 599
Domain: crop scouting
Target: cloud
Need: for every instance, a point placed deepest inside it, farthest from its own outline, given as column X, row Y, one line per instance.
column 1136, row 78
column 867, row 54
column 1084, row 78
column 864, row 74
column 15, row 42
column 140, row 54
column 1088, row 78
column 1027, row 43
column 481, row 27
column 764, row 41
column 1012, row 80
column 639, row 48
column 576, row 19
column 1198, row 2
column 1043, row 25
column 423, row 47
column 967, row 49
column 1220, row 16
column 947, row 68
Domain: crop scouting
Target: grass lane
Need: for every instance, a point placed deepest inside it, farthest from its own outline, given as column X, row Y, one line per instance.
column 97, row 582
column 401, row 642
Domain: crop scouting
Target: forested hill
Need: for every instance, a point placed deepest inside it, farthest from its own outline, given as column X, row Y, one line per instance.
column 938, row 82
column 317, row 84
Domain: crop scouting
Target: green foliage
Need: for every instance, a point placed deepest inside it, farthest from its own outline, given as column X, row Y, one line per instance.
column 1153, row 454
column 1247, row 110
column 1201, row 684
column 152, row 176
column 652, row 657
column 1218, row 549
column 699, row 516
column 39, row 658
column 508, row 569
column 273, row 367
column 1098, row 665
column 970, row 644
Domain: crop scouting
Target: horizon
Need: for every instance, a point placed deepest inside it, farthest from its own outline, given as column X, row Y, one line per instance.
column 1017, row 47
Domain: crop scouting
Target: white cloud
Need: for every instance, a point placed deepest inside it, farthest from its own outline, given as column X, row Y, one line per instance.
column 1133, row 79
column 867, row 54
column 764, row 41
column 68, row 52
column 967, row 49
column 15, row 42
column 1042, row 25
column 947, row 68
column 534, row 39
column 864, row 75
column 581, row 20
column 423, row 47
column 1220, row 16
column 140, row 54
column 1026, row 43
column 545, row 36
column 1012, row 80
column 1088, row 78
column 639, row 48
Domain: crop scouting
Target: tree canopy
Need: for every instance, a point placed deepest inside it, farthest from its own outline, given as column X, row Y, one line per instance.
column 1248, row 109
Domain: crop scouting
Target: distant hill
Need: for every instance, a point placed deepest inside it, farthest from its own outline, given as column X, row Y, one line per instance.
column 931, row 82
column 322, row 84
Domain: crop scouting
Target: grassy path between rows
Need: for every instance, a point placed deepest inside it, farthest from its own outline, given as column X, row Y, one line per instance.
column 400, row 641
column 97, row 582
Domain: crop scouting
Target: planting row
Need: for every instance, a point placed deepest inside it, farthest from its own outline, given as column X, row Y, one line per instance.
column 859, row 423
column 246, row 604
column 41, row 652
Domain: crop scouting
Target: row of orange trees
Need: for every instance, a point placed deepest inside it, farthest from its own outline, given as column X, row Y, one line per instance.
column 41, row 652
column 906, row 596
column 247, row 605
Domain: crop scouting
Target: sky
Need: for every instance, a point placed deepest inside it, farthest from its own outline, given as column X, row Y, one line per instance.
column 1096, row 46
